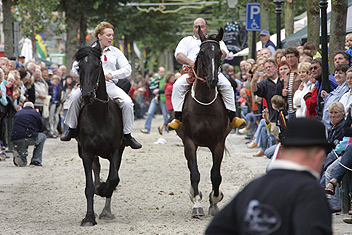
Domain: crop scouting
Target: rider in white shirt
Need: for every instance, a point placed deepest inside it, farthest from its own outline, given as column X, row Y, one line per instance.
column 110, row 58
column 186, row 53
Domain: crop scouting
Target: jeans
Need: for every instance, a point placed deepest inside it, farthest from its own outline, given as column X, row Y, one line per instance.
column 346, row 160
column 251, row 118
column 269, row 152
column 21, row 147
column 263, row 138
column 334, row 200
column 152, row 108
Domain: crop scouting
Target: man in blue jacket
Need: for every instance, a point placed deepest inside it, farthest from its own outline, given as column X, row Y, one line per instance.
column 28, row 130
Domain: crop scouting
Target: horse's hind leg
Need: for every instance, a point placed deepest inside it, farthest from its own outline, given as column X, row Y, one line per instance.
column 216, row 196
column 190, row 153
column 89, row 220
column 96, row 170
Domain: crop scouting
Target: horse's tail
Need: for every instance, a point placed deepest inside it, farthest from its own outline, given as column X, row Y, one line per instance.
column 227, row 152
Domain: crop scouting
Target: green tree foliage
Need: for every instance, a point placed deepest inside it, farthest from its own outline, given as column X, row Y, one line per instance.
column 37, row 16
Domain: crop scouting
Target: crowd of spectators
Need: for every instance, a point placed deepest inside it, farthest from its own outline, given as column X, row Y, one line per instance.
column 47, row 87
column 287, row 83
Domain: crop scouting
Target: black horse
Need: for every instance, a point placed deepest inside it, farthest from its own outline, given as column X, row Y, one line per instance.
column 205, row 121
column 99, row 131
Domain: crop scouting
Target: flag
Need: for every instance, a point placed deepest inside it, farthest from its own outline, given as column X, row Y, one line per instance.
column 40, row 47
column 121, row 45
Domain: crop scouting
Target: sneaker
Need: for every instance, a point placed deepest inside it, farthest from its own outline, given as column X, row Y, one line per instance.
column 17, row 161
column 244, row 131
column 252, row 145
column 145, row 131
column 35, row 163
column 4, row 155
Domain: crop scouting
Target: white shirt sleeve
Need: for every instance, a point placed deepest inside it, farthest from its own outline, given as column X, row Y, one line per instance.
column 124, row 68
column 182, row 47
column 224, row 47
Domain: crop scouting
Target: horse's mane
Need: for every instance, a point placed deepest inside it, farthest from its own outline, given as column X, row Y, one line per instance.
column 84, row 51
column 211, row 37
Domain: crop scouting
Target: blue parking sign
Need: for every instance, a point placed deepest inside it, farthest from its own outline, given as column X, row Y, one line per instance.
column 253, row 17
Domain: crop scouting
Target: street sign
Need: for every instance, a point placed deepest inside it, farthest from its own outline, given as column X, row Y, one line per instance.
column 253, row 17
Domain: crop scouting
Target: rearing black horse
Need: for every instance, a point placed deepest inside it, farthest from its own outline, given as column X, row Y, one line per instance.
column 99, row 131
column 205, row 121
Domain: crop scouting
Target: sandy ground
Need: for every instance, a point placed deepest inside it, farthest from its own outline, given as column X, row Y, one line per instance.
column 152, row 197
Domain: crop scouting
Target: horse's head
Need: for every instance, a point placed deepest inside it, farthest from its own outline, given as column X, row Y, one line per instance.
column 209, row 58
column 90, row 70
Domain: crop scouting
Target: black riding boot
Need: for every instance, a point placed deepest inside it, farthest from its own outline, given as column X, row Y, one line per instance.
column 70, row 133
column 128, row 140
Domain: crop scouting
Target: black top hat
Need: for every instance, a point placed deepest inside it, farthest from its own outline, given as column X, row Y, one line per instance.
column 305, row 132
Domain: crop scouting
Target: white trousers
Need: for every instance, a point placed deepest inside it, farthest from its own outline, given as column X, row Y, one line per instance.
column 115, row 93
column 181, row 86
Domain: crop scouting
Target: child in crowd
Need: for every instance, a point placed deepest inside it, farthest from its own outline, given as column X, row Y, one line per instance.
column 349, row 45
column 311, row 48
column 169, row 82
column 278, row 104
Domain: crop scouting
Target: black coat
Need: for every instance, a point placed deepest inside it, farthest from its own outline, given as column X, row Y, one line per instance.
column 267, row 89
column 26, row 124
column 280, row 202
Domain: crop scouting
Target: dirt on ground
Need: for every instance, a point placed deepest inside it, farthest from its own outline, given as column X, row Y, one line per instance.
column 152, row 197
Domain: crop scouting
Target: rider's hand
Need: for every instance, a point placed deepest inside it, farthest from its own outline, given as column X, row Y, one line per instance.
column 108, row 76
column 191, row 63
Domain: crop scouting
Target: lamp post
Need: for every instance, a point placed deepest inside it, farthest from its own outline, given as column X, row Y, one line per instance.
column 231, row 4
column 324, row 45
column 278, row 11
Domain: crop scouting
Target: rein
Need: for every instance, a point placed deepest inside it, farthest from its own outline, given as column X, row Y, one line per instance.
column 193, row 92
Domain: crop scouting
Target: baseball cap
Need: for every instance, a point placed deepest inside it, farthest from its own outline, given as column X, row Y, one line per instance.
column 264, row 32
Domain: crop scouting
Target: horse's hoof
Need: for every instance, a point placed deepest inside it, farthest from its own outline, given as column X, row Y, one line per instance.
column 213, row 209
column 106, row 215
column 197, row 212
column 88, row 222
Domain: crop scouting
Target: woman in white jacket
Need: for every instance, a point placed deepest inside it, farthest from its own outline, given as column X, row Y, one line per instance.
column 304, row 88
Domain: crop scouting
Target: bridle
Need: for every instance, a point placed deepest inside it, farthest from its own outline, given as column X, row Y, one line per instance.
column 100, row 68
column 193, row 92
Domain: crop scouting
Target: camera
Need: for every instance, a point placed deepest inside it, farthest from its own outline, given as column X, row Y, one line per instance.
column 260, row 73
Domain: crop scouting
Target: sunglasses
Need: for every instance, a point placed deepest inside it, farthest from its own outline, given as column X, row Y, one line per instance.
column 314, row 68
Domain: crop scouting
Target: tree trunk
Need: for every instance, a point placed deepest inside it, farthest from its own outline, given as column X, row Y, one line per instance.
column 289, row 18
column 264, row 14
column 313, row 25
column 83, row 30
column 8, row 28
column 133, row 61
column 142, row 66
column 73, row 24
column 337, row 29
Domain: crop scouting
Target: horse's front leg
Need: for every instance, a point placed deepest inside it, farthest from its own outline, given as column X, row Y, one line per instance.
column 87, row 159
column 216, row 196
column 196, row 195
column 106, row 189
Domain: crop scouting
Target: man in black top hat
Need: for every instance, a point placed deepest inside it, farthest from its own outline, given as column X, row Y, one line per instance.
column 288, row 199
